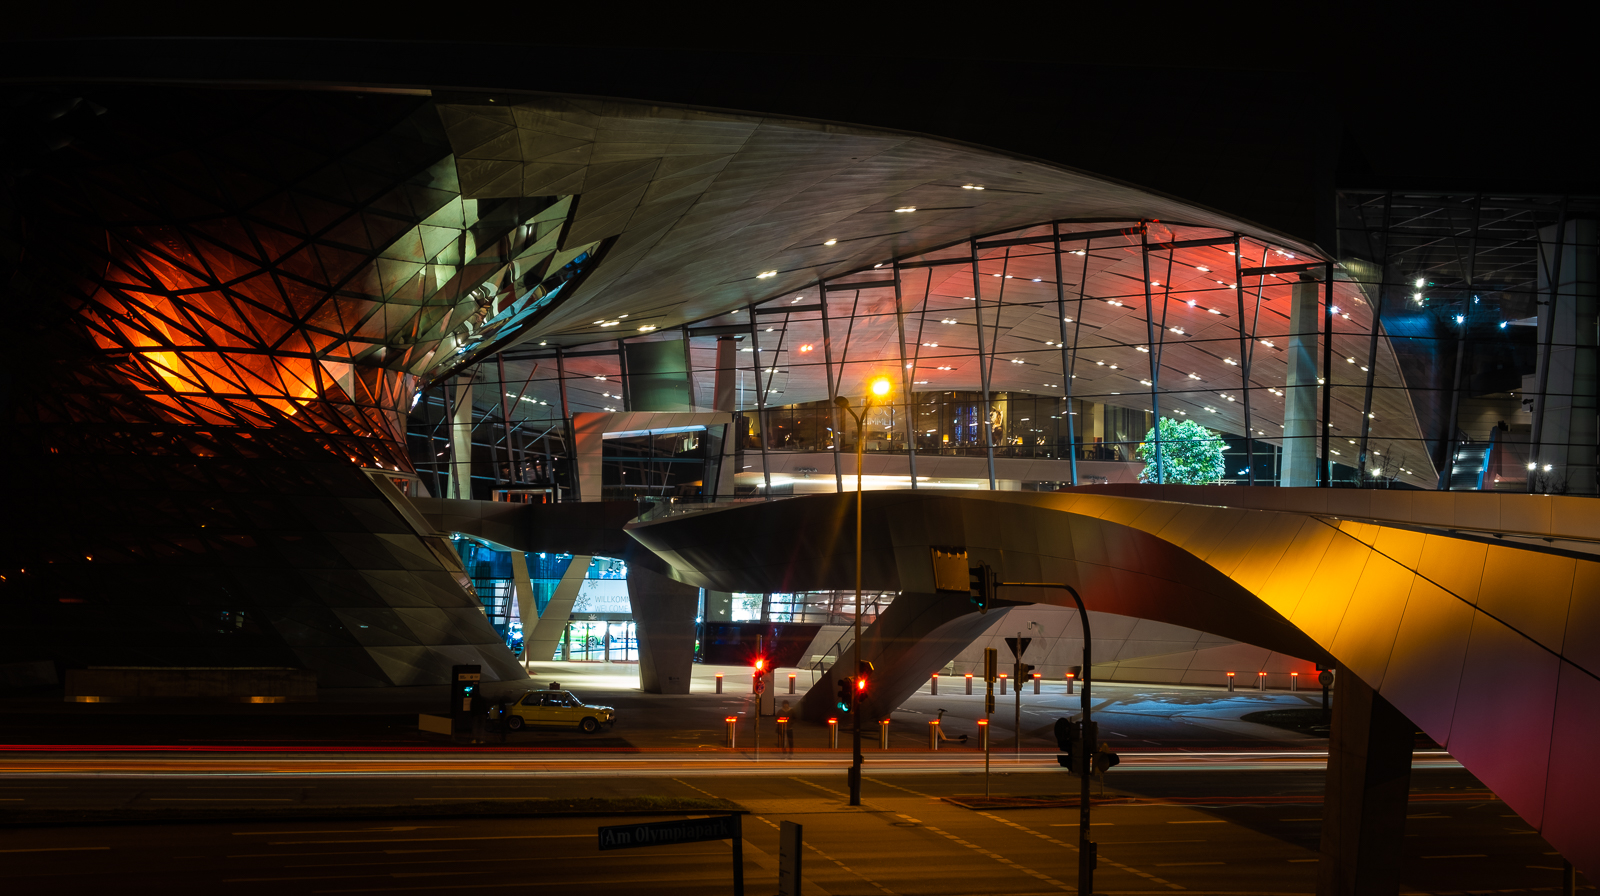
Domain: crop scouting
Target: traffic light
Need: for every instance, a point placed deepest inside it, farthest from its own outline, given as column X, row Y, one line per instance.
column 863, row 673
column 847, row 695
column 1067, row 734
column 982, row 588
column 1104, row 759
column 1024, row 673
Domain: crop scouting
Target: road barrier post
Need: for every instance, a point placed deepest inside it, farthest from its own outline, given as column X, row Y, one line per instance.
column 1261, row 681
column 933, row 735
column 833, row 734
column 1294, row 681
column 1071, row 680
column 719, row 682
column 935, row 691
column 1230, row 682
column 733, row 723
column 1002, row 684
column 983, row 734
column 1038, row 680
column 791, row 682
column 883, row 734
column 969, row 684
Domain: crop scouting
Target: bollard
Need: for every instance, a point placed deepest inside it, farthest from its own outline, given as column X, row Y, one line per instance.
column 983, row 735
column 833, row 734
column 933, row 734
column 1261, row 681
column 733, row 726
column 1002, row 684
column 719, row 682
column 1230, row 681
column 969, row 684
column 1071, row 679
column 935, row 691
column 783, row 732
column 791, row 682
column 883, row 734
column 1294, row 681
column 1037, row 680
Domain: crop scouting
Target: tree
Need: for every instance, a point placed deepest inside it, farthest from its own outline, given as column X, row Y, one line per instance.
column 1190, row 453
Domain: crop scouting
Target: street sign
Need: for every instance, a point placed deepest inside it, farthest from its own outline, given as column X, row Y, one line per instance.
column 1012, row 643
column 667, row 833
column 761, row 685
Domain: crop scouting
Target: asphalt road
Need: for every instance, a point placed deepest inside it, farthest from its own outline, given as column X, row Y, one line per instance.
column 1217, row 831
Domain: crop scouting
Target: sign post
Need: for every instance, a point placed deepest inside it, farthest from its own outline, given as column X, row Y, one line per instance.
column 789, row 855
column 689, row 830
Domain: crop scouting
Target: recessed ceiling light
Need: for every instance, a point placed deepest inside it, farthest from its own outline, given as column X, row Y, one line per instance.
column 829, row 242
column 905, row 208
column 611, row 323
column 971, row 186
column 765, row 274
column 647, row 328
column 947, row 368
column 621, row 316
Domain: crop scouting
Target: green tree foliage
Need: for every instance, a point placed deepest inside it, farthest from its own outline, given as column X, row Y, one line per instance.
column 1190, row 453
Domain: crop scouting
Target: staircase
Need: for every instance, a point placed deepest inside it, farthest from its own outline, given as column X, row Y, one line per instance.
column 1468, row 466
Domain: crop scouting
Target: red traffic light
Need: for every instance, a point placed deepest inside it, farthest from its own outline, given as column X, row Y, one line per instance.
column 761, row 665
column 861, row 684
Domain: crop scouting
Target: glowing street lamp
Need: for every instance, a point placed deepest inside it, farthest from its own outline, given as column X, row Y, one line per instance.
column 879, row 388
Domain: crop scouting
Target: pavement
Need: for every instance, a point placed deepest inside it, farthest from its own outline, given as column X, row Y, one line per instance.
column 346, row 796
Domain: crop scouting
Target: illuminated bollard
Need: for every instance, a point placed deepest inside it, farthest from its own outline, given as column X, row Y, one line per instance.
column 1037, row 681
column 1230, row 681
column 983, row 735
column 1002, row 684
column 933, row 734
column 969, row 684
column 783, row 732
column 1071, row 680
column 833, row 734
column 1294, row 681
column 935, row 686
column 719, row 682
column 733, row 727
column 791, row 682
column 883, row 734
column 1261, row 681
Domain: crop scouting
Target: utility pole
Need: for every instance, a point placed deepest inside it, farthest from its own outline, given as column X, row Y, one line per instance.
column 991, row 666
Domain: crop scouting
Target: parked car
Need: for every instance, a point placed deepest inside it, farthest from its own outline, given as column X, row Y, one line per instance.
column 557, row 709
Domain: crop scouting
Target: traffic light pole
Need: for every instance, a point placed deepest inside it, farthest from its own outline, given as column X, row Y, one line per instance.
column 1087, row 854
column 1017, row 723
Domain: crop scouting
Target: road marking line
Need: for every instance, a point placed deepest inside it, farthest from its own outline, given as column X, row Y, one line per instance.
column 432, row 839
column 1207, row 821
column 1002, row 859
column 1100, row 857
column 1467, row 855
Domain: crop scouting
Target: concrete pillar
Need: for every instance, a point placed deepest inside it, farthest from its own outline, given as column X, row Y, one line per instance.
column 461, row 439
column 1364, row 803
column 1300, row 436
column 1568, row 435
column 663, row 614
column 540, row 640
column 723, row 393
column 916, row 635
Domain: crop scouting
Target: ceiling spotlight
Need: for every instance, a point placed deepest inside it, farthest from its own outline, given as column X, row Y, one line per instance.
column 829, row 242
column 807, row 348
column 946, row 368
column 971, row 186
column 1202, row 268
column 647, row 328
column 905, row 208
column 611, row 323
column 765, row 274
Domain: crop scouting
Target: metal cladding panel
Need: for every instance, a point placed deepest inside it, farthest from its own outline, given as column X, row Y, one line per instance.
column 1529, row 592
column 1569, row 809
column 1455, row 564
column 1323, row 605
column 1504, row 715
column 1367, row 631
column 1581, row 644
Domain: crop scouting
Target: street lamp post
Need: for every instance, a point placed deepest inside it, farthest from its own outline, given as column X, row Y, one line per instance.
column 880, row 387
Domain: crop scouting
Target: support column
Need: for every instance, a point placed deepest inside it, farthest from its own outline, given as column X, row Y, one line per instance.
column 461, row 439
column 540, row 642
column 1300, row 390
column 1364, row 803
column 663, row 614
